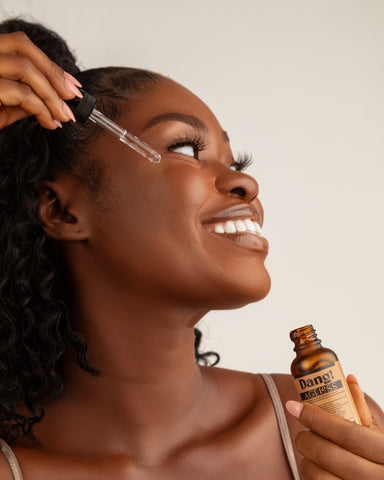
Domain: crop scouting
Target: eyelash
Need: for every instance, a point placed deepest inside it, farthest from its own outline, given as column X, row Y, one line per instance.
column 242, row 162
column 198, row 143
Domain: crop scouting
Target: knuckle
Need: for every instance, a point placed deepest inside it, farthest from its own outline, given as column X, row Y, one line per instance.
column 25, row 66
column 56, row 76
column 25, row 90
column 21, row 38
column 55, row 69
column 54, row 72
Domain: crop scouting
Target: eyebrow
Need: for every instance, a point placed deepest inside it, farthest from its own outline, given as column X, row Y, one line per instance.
column 181, row 117
column 178, row 117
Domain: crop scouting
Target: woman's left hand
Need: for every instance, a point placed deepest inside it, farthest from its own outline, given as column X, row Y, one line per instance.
column 335, row 448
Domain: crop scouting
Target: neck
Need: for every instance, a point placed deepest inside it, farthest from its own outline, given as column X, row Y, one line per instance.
column 149, row 384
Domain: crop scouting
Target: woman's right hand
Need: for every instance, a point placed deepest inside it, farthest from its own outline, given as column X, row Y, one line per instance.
column 31, row 84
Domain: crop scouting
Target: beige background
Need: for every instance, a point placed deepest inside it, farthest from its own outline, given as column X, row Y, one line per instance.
column 300, row 83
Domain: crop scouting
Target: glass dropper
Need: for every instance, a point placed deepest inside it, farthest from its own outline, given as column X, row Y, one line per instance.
column 84, row 108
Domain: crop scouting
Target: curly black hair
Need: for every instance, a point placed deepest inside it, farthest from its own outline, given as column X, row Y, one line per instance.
column 36, row 325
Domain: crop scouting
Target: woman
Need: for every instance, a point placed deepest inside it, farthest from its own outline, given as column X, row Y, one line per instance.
column 108, row 263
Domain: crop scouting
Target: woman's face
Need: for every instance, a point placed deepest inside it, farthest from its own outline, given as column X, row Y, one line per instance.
column 152, row 231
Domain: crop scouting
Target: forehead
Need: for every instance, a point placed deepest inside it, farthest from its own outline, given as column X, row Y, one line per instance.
column 165, row 99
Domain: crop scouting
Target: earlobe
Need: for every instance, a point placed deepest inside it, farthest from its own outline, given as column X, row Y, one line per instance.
column 57, row 213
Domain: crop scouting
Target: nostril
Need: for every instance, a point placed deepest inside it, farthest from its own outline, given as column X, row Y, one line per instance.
column 235, row 184
column 239, row 192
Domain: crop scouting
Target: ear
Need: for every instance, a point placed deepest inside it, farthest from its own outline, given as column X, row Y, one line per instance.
column 60, row 209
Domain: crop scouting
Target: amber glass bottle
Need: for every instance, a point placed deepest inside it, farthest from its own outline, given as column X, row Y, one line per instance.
column 318, row 376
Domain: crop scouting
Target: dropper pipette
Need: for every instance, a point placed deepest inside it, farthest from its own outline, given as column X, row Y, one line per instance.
column 84, row 108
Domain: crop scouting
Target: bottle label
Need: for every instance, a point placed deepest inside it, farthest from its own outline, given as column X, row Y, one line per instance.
column 327, row 388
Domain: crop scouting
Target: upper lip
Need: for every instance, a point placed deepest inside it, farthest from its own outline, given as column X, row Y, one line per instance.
column 237, row 211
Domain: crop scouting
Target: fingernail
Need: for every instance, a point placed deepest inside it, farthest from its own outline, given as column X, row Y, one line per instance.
column 352, row 379
column 72, row 79
column 57, row 123
column 68, row 112
column 71, row 88
column 294, row 408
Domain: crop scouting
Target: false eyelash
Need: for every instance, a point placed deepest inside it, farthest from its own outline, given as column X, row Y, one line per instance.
column 196, row 141
column 243, row 161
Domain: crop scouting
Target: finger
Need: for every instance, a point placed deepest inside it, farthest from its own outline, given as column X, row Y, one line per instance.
column 19, row 43
column 9, row 115
column 360, row 402
column 16, row 97
column 311, row 471
column 335, row 459
column 363, row 441
column 21, row 69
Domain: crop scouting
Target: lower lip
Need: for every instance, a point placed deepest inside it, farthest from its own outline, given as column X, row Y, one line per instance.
column 246, row 240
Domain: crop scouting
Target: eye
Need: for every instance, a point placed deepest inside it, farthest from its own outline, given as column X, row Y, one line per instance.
column 188, row 146
column 188, row 150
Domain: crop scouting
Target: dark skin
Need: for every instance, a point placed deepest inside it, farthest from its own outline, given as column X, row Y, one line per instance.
column 144, row 269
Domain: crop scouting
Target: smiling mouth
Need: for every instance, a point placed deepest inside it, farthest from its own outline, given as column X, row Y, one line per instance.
column 244, row 232
column 240, row 226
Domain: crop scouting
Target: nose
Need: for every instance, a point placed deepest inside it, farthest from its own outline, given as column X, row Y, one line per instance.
column 237, row 184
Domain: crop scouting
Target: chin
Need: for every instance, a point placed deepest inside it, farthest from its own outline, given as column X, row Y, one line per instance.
column 241, row 294
column 254, row 288
column 255, row 294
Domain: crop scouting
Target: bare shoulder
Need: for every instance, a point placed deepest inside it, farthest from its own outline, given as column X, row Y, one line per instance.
column 251, row 388
column 246, row 386
column 284, row 382
column 253, row 432
column 253, row 383
column 255, row 387
column 245, row 393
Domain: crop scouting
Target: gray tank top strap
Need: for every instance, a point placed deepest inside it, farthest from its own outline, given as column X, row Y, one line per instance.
column 11, row 459
column 283, row 425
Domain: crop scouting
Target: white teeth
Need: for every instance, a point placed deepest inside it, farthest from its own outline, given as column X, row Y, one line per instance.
column 250, row 225
column 240, row 226
column 219, row 229
column 258, row 228
column 230, row 227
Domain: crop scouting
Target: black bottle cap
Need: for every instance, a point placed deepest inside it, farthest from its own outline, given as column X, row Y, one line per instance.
column 82, row 107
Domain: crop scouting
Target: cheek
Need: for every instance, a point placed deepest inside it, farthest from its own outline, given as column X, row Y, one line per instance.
column 152, row 219
column 173, row 198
